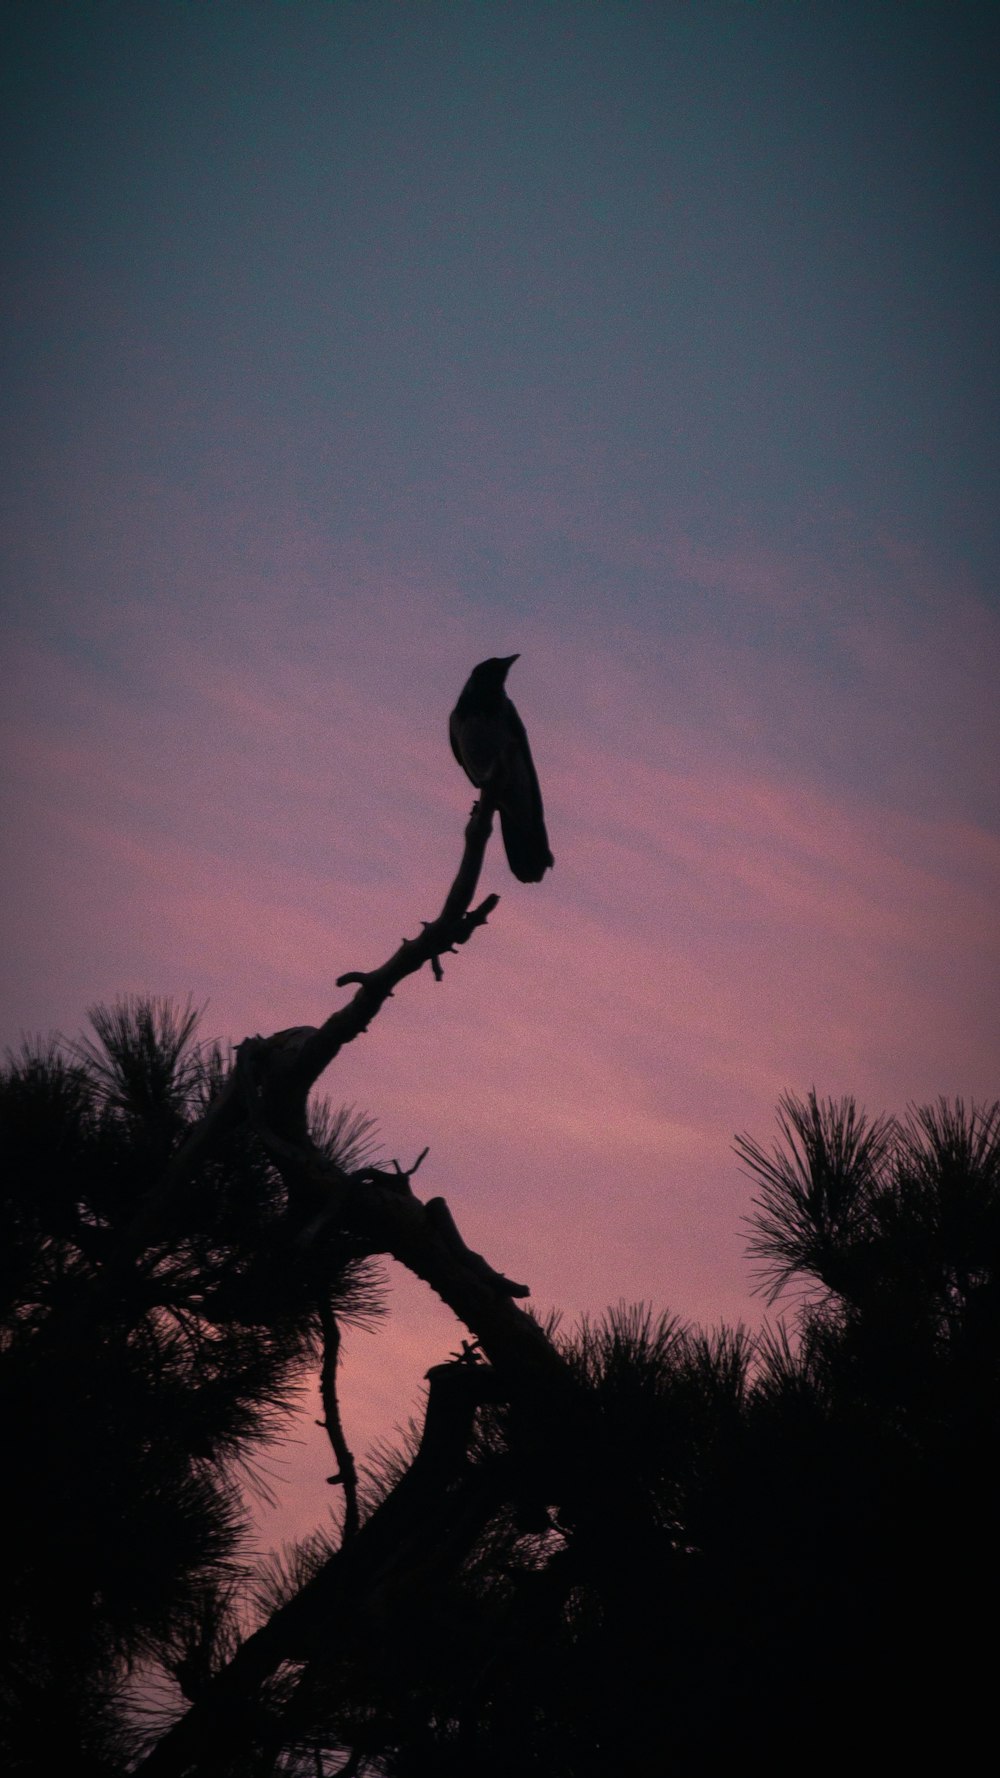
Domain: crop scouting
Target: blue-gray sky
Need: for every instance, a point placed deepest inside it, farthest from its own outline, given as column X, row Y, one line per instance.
column 739, row 259
column 349, row 343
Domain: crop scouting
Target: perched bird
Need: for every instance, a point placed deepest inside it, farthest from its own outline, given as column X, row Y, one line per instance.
column 489, row 742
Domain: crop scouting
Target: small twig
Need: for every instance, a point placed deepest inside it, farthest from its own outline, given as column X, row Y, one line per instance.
column 347, row 1475
column 471, row 1353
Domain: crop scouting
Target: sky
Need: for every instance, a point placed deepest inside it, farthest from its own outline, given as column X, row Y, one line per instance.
column 350, row 343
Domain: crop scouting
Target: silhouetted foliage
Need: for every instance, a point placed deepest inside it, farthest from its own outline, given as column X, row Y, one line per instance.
column 721, row 1544
column 133, row 1426
column 674, row 1549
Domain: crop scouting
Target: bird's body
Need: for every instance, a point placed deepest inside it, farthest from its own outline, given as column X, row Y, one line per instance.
column 489, row 741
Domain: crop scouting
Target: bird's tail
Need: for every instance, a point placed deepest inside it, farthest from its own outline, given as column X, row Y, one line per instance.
column 526, row 844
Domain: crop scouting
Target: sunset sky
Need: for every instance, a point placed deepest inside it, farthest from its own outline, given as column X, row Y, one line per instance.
column 354, row 342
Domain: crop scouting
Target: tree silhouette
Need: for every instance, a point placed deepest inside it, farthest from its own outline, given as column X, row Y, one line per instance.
column 126, row 1493
column 185, row 1238
column 722, row 1542
column 636, row 1547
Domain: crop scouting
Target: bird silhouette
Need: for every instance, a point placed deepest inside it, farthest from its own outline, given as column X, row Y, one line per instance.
column 489, row 742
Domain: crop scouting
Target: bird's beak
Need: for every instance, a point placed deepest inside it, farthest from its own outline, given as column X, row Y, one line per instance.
column 510, row 659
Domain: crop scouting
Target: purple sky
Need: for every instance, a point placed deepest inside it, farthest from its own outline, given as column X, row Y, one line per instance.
column 352, row 343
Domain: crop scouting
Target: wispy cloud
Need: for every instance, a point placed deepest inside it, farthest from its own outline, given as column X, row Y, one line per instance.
column 245, row 809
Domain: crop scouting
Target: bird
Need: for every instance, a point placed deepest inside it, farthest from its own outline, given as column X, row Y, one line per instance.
column 489, row 741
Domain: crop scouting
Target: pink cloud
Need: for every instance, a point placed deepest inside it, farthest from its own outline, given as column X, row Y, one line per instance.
column 244, row 806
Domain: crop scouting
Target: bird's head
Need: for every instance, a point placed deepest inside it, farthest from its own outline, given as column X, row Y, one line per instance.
column 490, row 675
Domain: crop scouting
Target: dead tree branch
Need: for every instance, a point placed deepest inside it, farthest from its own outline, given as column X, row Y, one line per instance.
column 422, row 1531
column 454, row 926
column 347, row 1475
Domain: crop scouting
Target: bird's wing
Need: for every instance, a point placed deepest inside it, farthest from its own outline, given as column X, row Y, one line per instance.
column 477, row 743
column 454, row 721
column 522, row 819
column 520, row 765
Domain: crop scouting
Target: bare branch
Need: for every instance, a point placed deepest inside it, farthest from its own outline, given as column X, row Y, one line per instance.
column 347, row 1475
column 454, row 926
